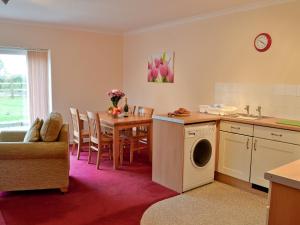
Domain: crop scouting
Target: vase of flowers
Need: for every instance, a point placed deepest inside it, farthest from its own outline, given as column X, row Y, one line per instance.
column 115, row 96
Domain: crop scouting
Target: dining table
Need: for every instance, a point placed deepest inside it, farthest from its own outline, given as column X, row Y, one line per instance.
column 122, row 123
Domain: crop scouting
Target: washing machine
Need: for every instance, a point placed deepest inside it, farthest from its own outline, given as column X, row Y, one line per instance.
column 199, row 155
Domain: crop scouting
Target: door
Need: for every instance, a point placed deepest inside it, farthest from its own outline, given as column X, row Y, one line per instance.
column 268, row 155
column 235, row 155
column 201, row 153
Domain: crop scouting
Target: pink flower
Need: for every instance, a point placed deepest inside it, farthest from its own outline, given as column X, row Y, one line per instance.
column 152, row 74
column 158, row 62
column 170, row 76
column 116, row 93
column 164, row 69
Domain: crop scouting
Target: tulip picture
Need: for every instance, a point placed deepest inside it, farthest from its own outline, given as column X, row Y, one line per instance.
column 161, row 68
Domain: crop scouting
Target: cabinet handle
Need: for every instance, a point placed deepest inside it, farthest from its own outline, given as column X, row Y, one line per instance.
column 236, row 128
column 276, row 135
column 254, row 146
column 247, row 145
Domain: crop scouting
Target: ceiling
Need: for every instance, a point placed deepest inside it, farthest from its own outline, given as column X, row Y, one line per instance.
column 111, row 15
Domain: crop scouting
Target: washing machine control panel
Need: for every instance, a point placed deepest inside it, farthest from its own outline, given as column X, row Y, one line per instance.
column 199, row 130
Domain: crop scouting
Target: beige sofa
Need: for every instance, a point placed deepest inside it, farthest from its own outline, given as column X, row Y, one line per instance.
column 34, row 165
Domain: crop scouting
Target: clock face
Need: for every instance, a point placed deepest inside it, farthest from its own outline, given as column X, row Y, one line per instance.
column 262, row 42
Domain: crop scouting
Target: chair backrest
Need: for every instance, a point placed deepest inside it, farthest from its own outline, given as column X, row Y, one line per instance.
column 145, row 111
column 131, row 109
column 94, row 127
column 77, row 126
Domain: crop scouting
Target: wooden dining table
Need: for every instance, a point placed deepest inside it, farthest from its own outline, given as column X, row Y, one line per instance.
column 122, row 123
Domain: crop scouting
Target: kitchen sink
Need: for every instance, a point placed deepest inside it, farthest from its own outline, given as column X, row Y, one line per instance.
column 246, row 116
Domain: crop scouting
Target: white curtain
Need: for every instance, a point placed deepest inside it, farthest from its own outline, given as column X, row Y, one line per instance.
column 38, row 82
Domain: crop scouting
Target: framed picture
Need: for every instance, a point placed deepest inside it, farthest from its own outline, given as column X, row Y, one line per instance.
column 161, row 67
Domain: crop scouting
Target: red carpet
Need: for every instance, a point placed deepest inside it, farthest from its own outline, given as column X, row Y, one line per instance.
column 95, row 197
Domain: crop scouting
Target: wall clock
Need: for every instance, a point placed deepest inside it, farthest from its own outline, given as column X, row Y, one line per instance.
column 262, row 42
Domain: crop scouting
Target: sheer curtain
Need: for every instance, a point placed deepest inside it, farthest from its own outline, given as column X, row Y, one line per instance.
column 38, row 80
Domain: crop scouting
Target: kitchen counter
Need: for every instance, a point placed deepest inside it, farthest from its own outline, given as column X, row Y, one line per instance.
column 288, row 175
column 193, row 118
column 284, row 196
column 204, row 117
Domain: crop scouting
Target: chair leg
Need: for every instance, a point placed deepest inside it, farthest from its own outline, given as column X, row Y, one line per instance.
column 98, row 159
column 78, row 149
column 131, row 151
column 110, row 151
column 90, row 154
column 73, row 148
column 121, row 152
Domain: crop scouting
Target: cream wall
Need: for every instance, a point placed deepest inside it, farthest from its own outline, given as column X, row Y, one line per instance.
column 217, row 50
column 85, row 65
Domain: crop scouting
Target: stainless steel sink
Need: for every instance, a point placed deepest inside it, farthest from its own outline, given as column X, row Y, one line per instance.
column 246, row 116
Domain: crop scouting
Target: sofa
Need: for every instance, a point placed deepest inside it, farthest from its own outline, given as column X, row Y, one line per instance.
column 34, row 165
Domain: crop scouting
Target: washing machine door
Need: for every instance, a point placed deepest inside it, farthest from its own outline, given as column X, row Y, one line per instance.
column 201, row 153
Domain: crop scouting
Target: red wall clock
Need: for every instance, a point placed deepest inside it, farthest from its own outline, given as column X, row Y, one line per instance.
column 262, row 42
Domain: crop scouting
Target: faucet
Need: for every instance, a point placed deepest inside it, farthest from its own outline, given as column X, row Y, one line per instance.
column 259, row 111
column 247, row 108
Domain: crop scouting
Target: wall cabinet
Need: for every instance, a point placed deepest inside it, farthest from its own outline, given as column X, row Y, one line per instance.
column 235, row 155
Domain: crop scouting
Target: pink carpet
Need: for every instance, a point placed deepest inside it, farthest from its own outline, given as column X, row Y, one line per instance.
column 95, row 197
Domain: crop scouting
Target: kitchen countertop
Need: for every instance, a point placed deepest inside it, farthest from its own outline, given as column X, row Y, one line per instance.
column 288, row 175
column 193, row 118
column 204, row 117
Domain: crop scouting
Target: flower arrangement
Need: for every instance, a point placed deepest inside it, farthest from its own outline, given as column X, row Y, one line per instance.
column 115, row 96
column 160, row 68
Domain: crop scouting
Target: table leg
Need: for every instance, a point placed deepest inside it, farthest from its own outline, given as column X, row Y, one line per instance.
column 116, row 147
column 150, row 140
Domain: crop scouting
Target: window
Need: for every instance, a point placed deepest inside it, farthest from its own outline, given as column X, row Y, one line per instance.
column 24, row 87
column 13, row 89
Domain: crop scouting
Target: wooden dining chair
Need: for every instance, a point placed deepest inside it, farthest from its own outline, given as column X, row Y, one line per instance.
column 137, row 139
column 99, row 141
column 131, row 109
column 79, row 134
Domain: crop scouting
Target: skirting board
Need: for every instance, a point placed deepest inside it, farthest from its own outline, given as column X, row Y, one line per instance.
column 238, row 183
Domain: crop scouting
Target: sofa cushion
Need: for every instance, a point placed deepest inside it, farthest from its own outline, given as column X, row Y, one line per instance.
column 51, row 127
column 33, row 134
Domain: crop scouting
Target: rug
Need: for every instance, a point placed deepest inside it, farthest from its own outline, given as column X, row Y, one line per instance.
column 212, row 204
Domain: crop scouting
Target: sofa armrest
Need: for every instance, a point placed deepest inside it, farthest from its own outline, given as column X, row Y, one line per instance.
column 12, row 136
column 34, row 150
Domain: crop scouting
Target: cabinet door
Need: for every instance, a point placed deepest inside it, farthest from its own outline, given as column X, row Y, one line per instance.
column 235, row 155
column 268, row 155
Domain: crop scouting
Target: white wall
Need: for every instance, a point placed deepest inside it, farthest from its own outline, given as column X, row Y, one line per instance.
column 85, row 65
column 217, row 50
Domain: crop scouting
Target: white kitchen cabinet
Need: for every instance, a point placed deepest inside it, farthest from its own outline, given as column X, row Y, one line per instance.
column 235, row 155
column 268, row 155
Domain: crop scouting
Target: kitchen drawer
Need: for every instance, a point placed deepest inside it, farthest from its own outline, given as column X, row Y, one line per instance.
column 238, row 128
column 275, row 134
